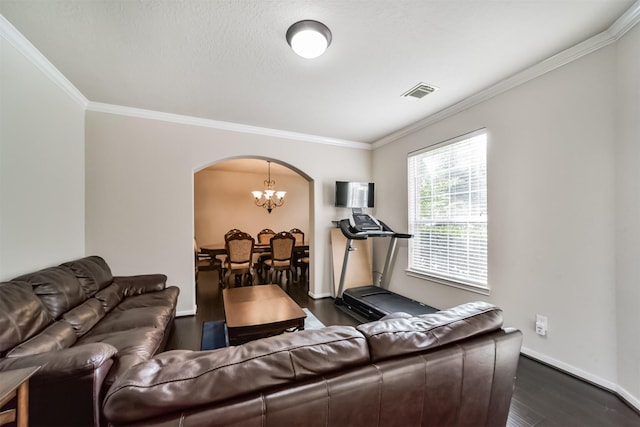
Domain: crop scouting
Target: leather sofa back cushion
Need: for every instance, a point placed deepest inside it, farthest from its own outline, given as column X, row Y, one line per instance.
column 397, row 336
column 110, row 296
column 22, row 314
column 93, row 272
column 57, row 287
column 56, row 337
column 85, row 316
column 184, row 379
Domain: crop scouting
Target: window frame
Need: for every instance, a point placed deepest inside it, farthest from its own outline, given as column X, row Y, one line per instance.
column 467, row 283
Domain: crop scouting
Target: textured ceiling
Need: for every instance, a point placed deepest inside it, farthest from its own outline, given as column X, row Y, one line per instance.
column 229, row 60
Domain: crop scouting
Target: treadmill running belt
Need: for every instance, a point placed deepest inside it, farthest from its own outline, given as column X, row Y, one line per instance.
column 373, row 302
column 392, row 303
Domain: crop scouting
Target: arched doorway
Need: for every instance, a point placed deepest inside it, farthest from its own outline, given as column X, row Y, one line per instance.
column 222, row 199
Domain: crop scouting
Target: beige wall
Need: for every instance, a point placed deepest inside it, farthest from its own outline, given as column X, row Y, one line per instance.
column 627, row 224
column 41, row 167
column 562, row 149
column 140, row 192
column 216, row 190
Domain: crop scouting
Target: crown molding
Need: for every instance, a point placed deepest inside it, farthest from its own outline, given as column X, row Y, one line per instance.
column 620, row 27
column 614, row 33
column 216, row 124
column 626, row 22
column 29, row 51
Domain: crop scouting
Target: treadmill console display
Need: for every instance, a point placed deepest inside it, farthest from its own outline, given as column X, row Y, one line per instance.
column 364, row 222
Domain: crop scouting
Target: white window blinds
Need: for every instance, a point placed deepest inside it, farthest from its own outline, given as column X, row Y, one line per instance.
column 448, row 210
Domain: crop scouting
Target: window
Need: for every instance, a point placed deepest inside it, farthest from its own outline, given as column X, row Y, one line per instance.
column 448, row 211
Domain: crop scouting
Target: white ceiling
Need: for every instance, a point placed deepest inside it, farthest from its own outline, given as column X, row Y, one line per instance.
column 228, row 60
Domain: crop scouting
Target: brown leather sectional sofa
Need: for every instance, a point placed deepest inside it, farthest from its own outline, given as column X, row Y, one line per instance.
column 98, row 339
column 452, row 368
column 85, row 328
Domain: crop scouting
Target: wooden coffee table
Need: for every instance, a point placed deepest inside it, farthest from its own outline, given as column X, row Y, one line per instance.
column 259, row 311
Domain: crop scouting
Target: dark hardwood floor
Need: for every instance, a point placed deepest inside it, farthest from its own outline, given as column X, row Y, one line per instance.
column 543, row 396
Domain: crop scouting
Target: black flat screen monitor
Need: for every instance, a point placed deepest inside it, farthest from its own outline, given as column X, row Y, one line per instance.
column 354, row 194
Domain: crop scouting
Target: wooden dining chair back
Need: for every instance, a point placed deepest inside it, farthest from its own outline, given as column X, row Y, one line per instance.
column 298, row 234
column 223, row 258
column 231, row 233
column 239, row 261
column 281, row 259
column 264, row 238
column 265, row 235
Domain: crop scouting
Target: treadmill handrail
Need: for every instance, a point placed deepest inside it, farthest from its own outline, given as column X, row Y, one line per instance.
column 349, row 233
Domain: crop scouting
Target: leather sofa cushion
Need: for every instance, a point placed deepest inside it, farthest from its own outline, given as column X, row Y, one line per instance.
column 123, row 320
column 134, row 346
column 398, row 336
column 57, row 336
column 22, row 314
column 85, row 316
column 57, row 287
column 165, row 298
column 110, row 296
column 155, row 309
column 138, row 291
column 185, row 379
column 141, row 284
column 92, row 272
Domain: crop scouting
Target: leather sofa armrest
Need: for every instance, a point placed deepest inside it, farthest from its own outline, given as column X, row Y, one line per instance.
column 136, row 285
column 74, row 374
column 67, row 362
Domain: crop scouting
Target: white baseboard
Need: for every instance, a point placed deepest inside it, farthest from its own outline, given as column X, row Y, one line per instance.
column 570, row 369
column 319, row 296
column 586, row 376
column 629, row 398
column 191, row 312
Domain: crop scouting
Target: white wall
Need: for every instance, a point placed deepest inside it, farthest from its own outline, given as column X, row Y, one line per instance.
column 41, row 168
column 627, row 193
column 139, row 179
column 217, row 189
column 564, row 203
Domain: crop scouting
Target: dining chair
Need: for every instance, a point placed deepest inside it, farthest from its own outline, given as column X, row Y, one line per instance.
column 281, row 259
column 301, row 259
column 298, row 235
column 265, row 235
column 264, row 238
column 204, row 261
column 239, row 261
column 223, row 258
column 231, row 233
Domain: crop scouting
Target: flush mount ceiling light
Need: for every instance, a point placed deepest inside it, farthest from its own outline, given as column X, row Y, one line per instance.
column 309, row 39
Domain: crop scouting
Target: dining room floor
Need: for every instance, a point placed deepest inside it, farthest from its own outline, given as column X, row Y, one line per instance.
column 543, row 396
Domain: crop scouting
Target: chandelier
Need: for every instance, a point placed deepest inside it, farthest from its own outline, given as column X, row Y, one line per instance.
column 270, row 198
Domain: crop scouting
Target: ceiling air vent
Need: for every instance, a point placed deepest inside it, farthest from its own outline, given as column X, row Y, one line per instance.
column 420, row 90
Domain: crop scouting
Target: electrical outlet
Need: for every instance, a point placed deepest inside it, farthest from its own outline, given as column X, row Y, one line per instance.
column 542, row 325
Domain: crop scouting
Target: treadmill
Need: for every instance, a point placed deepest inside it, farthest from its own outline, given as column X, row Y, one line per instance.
column 372, row 302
